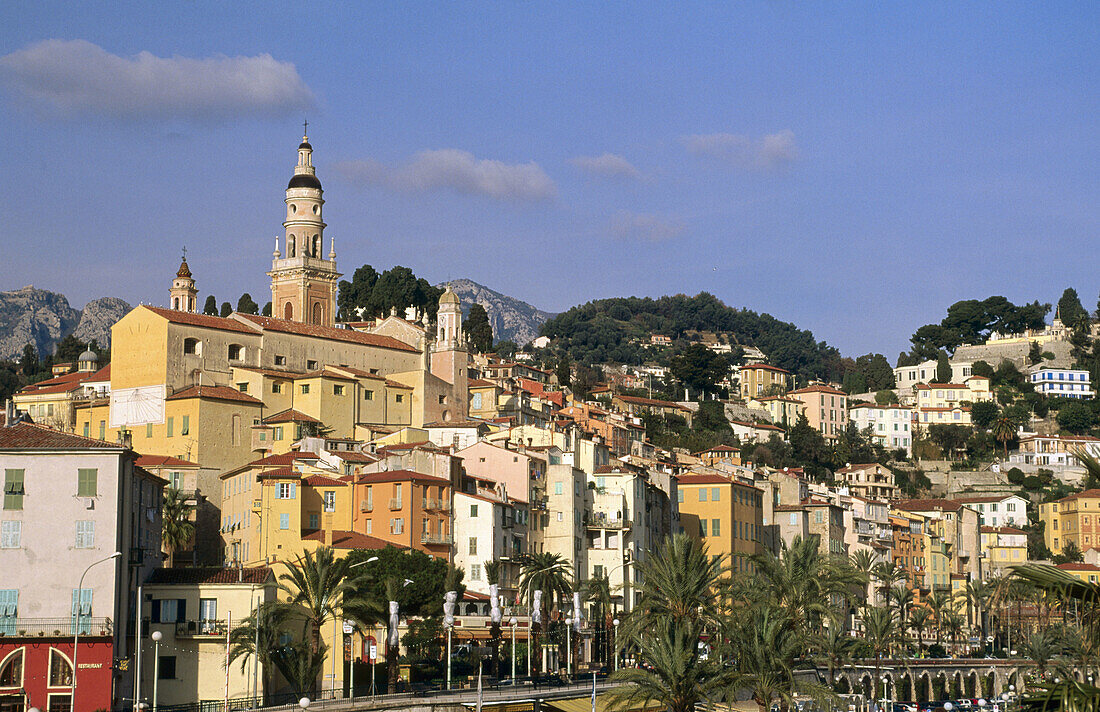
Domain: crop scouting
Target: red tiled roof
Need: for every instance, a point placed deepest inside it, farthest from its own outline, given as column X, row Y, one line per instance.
column 327, row 332
column 927, row 386
column 322, row 481
column 66, row 383
column 290, row 416
column 223, row 393
column 400, row 476
column 252, row 575
column 928, row 505
column 819, row 389
column 205, row 320
column 766, row 367
column 862, row 466
column 985, row 498
column 761, row 426
column 1076, row 566
column 704, row 479
column 479, row 383
column 457, row 424
column 278, row 474
column 1087, row 494
column 30, row 436
column 342, row 539
column 162, row 461
column 718, row 448
column 354, row 456
column 285, row 458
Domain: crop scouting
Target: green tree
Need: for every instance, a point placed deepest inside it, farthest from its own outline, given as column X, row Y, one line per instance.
column 1035, row 353
column 551, row 574
column 358, row 295
column 950, row 438
column 506, row 349
column 698, row 368
column 245, row 305
column 981, row 368
column 983, row 413
column 808, row 447
column 886, row 397
column 423, row 597
column 1070, row 554
column 259, row 636
column 564, row 371
column 880, row 633
column 1004, row 431
column 211, row 306
column 29, row 363
column 315, row 585
column 266, row 311
column 226, row 309
column 68, row 350
column 478, row 330
column 176, row 526
column 300, row 665
column 1076, row 417
column 943, row 369
column 1070, row 310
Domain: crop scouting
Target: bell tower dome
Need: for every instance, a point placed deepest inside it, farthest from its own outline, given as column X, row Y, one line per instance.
column 303, row 280
column 184, row 296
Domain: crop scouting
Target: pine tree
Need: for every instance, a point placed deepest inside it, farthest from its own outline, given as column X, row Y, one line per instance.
column 478, row 331
column 211, row 306
column 245, row 305
column 227, row 309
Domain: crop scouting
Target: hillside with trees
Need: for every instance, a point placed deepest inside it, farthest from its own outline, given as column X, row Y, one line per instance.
column 613, row 330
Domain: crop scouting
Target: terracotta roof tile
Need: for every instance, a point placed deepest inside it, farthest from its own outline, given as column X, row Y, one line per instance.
column 342, row 539
column 205, row 320
column 327, row 332
column 163, row 461
column 400, row 476
column 223, row 393
column 322, row 481
column 191, row 576
column 634, row 400
column 30, row 436
column 290, row 416
column 766, row 367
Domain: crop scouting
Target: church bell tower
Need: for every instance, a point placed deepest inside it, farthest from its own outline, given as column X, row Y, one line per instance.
column 303, row 280
column 183, row 294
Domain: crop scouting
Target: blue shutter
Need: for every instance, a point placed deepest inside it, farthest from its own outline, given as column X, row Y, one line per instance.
column 9, row 608
column 293, row 490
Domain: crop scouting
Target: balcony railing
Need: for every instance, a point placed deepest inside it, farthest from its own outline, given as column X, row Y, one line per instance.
column 438, row 505
column 429, row 538
column 194, row 629
column 395, row 503
column 599, row 520
column 43, row 627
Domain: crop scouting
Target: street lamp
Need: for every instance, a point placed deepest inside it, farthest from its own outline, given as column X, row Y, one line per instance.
column 569, row 649
column 76, row 621
column 351, row 682
column 156, row 636
column 616, row 623
column 514, row 622
column 304, row 703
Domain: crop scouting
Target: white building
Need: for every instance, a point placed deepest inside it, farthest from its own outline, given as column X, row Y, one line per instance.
column 999, row 510
column 489, row 527
column 890, row 424
column 905, row 377
column 1062, row 382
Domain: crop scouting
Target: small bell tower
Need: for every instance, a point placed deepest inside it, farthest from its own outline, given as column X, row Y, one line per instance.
column 184, row 296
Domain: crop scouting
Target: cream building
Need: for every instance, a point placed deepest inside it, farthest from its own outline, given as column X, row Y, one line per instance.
column 826, row 408
column 890, row 424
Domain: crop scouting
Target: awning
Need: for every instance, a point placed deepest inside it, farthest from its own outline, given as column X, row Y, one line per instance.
column 584, row 704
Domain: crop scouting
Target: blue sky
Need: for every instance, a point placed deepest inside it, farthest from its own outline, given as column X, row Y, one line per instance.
column 851, row 167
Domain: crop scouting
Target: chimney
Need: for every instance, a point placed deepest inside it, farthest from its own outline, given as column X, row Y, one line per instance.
column 125, row 438
column 326, row 523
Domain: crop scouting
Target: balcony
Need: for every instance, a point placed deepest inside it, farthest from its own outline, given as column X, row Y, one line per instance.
column 435, row 539
column 437, row 505
column 201, row 628
column 54, row 627
column 395, row 503
column 600, row 520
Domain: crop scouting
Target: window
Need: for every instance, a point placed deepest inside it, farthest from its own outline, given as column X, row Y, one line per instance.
column 473, row 546
column 61, row 670
column 103, row 430
column 288, row 490
column 284, row 520
column 716, row 527
column 11, row 673
column 148, row 430
column 167, row 668
column 236, row 352
column 311, row 365
column 169, row 426
column 330, row 501
column 304, row 388
column 13, row 489
column 192, row 346
column 442, row 400
column 242, row 387
column 86, row 427
column 81, row 611
column 368, row 395
column 475, row 572
column 276, row 387
column 557, row 488
column 280, row 360
column 338, row 390
column 399, row 398
column 473, row 510
column 85, row 534
column 314, row 521
column 11, row 535
column 278, row 432
column 702, row 494
column 397, row 526
column 86, row 482
column 715, row 494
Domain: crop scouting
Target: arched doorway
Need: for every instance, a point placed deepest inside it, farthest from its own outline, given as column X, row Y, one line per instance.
column 972, row 684
column 288, row 311
column 956, row 685
column 988, row 682
column 317, row 313
column 924, row 688
column 939, row 687
column 905, row 688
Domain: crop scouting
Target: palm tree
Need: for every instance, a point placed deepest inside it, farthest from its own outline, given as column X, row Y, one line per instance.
column 976, row 595
column 250, row 640
column 1042, row 647
column 552, row 575
column 889, row 574
column 918, row 622
column 301, row 665
column 177, row 527
column 315, row 585
column 864, row 562
column 679, row 582
column 953, row 626
column 598, row 590
column 879, row 632
column 674, row 676
column 1004, row 430
column 835, row 647
column 938, row 603
column 902, row 597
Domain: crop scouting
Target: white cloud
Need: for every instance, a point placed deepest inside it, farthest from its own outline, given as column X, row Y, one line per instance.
column 77, row 78
column 645, row 227
column 457, row 171
column 608, row 165
column 772, row 151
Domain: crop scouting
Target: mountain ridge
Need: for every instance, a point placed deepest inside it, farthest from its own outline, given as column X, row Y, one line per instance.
column 43, row 318
column 512, row 319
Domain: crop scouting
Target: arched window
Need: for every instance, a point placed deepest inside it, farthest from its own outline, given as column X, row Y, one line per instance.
column 192, row 346
column 290, row 246
column 288, row 311
column 236, row 435
column 317, row 313
column 11, row 670
column 236, row 352
column 61, row 670
column 176, row 303
column 316, row 245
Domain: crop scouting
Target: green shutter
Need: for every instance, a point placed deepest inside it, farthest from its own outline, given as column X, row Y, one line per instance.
column 86, row 482
column 13, row 489
column 169, row 428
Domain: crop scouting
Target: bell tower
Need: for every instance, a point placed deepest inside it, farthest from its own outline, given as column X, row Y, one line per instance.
column 449, row 357
column 303, row 281
column 184, row 296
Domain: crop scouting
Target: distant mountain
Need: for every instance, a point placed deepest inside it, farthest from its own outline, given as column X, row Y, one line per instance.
column 511, row 319
column 40, row 317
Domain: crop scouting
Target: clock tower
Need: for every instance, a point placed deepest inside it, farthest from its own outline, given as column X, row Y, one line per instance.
column 303, row 280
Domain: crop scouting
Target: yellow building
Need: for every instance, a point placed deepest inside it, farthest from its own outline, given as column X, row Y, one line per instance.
column 949, row 403
column 762, row 379
column 53, row 402
column 782, row 410
column 1004, row 547
column 1071, row 519
column 724, row 513
column 1089, row 573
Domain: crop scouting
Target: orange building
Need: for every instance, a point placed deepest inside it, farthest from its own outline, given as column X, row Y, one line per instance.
column 404, row 508
column 724, row 513
column 826, row 408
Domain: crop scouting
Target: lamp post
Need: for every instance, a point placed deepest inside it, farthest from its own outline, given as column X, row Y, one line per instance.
column 76, row 622
column 615, row 647
column 513, row 622
column 569, row 649
column 351, row 682
column 156, row 636
column 304, row 703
